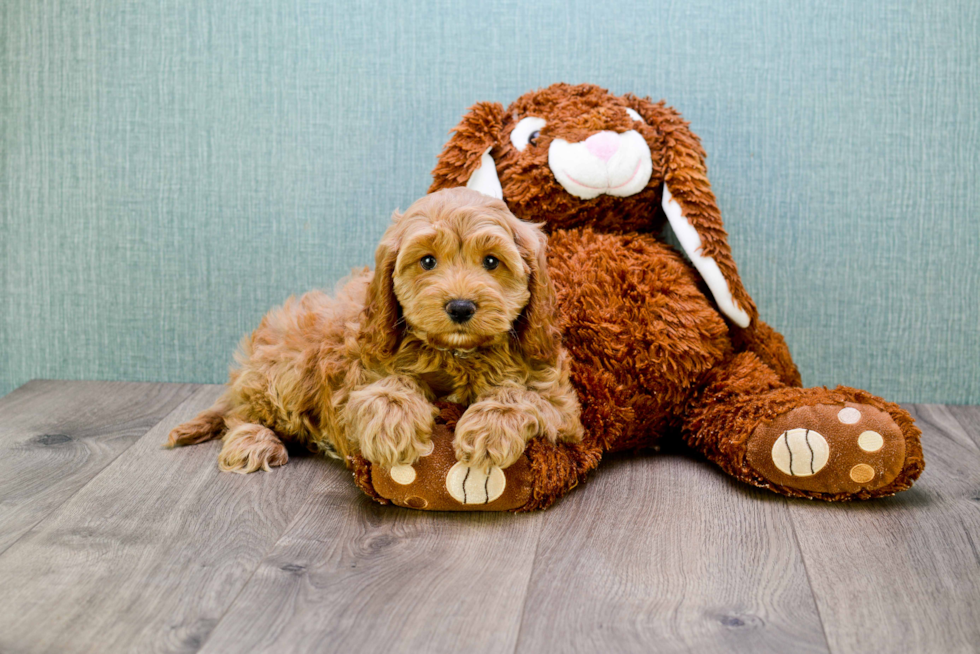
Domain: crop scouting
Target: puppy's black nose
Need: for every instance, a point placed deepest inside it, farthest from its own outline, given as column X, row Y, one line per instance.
column 460, row 310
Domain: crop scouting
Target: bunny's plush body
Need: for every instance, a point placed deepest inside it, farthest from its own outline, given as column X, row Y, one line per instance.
column 661, row 345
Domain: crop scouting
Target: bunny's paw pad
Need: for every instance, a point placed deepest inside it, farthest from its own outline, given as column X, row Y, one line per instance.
column 828, row 448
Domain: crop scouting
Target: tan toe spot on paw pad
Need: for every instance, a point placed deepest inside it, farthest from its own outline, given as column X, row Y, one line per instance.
column 849, row 415
column 474, row 486
column 862, row 473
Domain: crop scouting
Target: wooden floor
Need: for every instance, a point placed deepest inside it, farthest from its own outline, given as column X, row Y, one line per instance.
column 110, row 543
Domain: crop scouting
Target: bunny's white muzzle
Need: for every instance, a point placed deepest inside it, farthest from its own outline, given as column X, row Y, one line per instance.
column 607, row 162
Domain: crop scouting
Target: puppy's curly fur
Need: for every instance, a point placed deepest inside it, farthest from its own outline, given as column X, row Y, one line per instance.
column 360, row 372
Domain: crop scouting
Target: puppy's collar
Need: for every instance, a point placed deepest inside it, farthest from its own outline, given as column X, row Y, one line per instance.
column 459, row 353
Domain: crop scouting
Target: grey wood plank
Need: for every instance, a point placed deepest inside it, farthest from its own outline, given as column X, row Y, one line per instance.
column 666, row 554
column 969, row 419
column 902, row 574
column 353, row 576
column 56, row 435
column 150, row 553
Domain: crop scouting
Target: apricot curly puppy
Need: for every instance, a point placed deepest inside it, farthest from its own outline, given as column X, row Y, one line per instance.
column 459, row 307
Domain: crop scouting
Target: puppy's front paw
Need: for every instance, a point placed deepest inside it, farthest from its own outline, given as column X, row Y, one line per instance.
column 493, row 434
column 390, row 429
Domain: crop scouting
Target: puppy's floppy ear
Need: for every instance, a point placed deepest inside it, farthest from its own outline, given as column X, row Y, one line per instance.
column 466, row 160
column 381, row 321
column 693, row 213
column 536, row 327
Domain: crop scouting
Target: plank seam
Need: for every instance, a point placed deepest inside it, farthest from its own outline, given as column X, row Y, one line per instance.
column 806, row 572
column 530, row 576
column 265, row 555
column 968, row 428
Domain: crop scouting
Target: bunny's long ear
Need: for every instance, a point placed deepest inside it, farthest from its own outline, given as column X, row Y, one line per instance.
column 466, row 159
column 693, row 212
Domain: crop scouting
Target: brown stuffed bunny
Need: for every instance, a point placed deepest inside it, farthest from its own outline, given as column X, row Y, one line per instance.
column 660, row 345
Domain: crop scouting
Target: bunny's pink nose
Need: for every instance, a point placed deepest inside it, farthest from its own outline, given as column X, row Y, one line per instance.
column 603, row 144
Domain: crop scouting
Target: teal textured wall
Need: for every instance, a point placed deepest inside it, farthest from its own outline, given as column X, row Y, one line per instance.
column 170, row 170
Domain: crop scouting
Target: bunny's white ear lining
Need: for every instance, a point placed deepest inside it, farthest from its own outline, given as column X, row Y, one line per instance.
column 708, row 267
column 484, row 179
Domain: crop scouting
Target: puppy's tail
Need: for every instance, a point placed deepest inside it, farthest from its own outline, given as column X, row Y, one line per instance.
column 207, row 425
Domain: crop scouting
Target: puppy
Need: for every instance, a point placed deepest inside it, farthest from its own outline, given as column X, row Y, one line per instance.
column 459, row 307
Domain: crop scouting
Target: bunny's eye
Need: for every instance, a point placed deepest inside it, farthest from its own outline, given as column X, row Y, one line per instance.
column 428, row 262
column 526, row 132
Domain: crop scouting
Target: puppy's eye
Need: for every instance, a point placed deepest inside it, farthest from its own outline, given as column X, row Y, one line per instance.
column 490, row 262
column 526, row 131
column 428, row 262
